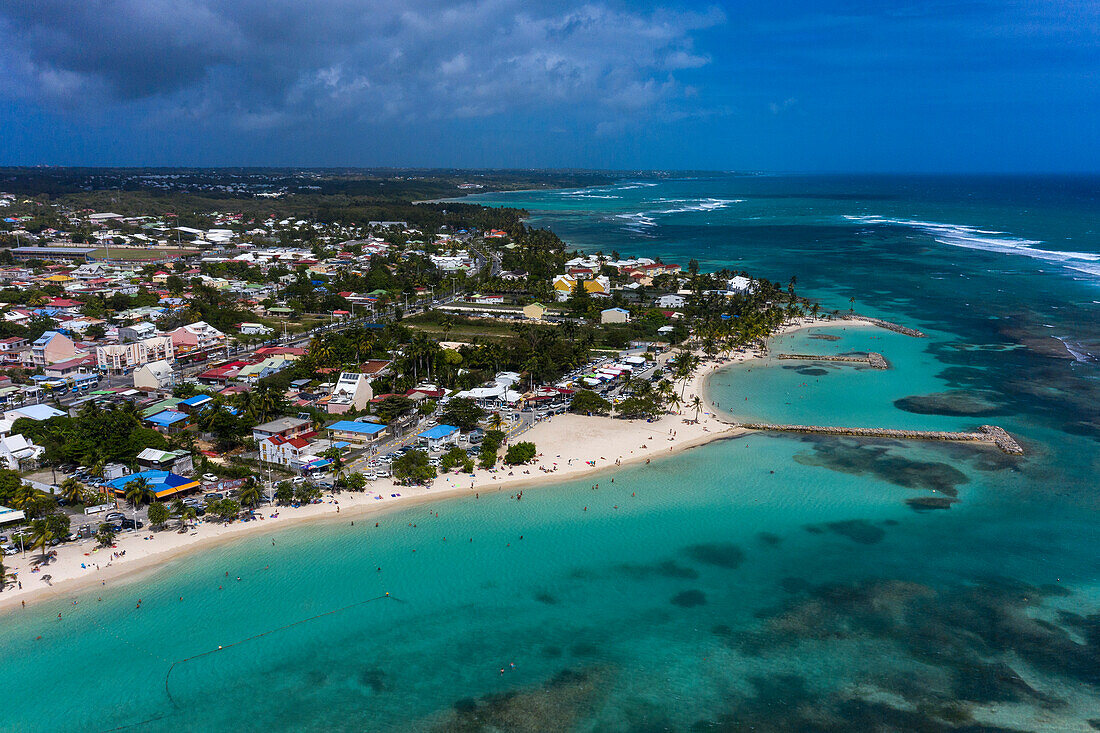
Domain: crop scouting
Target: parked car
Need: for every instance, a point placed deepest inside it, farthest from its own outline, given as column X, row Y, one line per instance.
column 209, row 477
column 11, row 550
column 113, row 516
column 213, row 496
column 129, row 524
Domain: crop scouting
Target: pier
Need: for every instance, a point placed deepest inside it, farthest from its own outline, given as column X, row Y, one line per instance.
column 874, row 359
column 991, row 434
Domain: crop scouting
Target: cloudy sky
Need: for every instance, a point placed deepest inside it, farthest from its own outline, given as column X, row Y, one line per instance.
column 814, row 85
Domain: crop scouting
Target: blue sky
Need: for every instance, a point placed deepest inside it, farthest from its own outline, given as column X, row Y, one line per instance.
column 827, row 85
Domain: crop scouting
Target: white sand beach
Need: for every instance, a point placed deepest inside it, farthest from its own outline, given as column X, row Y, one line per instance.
column 570, row 447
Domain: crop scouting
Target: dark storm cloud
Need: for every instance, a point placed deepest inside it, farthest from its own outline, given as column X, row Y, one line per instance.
column 271, row 63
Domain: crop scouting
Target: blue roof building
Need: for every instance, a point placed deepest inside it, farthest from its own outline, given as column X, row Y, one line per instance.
column 168, row 419
column 355, row 432
column 439, row 436
column 196, row 403
column 163, row 483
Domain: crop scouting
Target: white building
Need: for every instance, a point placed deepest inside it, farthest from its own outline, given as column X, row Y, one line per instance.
column 671, row 300
column 155, row 375
column 126, row 356
column 254, row 329
column 352, row 391
column 17, row 452
column 196, row 336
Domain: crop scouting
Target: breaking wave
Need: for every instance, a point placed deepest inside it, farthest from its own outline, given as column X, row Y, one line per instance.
column 697, row 205
column 638, row 222
column 958, row 235
column 587, row 193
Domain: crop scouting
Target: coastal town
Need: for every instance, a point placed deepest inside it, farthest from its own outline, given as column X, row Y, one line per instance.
column 164, row 383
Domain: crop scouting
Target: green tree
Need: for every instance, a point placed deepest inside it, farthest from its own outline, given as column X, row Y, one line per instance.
column 306, row 493
column 284, row 493
column 463, row 413
column 517, row 453
column 158, row 514
column 456, row 458
column 354, row 482
column 413, row 468
column 106, row 534
column 587, row 402
column 224, row 509
column 393, row 407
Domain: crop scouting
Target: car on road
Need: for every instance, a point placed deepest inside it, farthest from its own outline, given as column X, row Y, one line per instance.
column 209, row 477
column 213, row 496
column 112, row 516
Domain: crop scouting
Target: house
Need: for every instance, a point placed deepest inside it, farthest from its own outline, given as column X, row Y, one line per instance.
column 352, row 391
column 283, row 427
column 614, row 315
column 168, row 421
column 739, row 284
column 439, row 437
column 564, row 284
column 284, row 451
column 18, row 453
column 121, row 358
column 10, row 349
column 197, row 336
column 534, row 311
column 672, row 300
column 195, row 404
column 176, row 461
column 358, row 433
column 137, row 332
column 72, row 367
column 155, row 375
column 254, row 329
column 52, row 347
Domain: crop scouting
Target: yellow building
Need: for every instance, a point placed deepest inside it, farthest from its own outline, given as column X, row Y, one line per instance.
column 597, row 285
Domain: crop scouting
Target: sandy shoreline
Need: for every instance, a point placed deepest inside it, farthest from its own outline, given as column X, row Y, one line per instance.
column 566, row 453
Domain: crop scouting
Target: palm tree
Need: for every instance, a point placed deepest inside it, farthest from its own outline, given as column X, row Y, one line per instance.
column 698, row 405
column 139, row 492
column 495, row 421
column 6, row 578
column 72, row 491
column 251, row 494
column 41, row 535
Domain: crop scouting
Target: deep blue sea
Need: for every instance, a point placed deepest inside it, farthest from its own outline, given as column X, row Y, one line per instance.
column 766, row 583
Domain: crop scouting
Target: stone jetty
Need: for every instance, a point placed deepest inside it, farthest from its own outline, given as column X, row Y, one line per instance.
column 985, row 434
column 890, row 326
column 874, row 359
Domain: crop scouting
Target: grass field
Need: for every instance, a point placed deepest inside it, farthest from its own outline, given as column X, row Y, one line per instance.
column 142, row 255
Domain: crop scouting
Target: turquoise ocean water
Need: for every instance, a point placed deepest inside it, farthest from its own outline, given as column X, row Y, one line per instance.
column 760, row 583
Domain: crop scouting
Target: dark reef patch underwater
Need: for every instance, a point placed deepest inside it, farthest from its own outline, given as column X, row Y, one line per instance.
column 879, row 459
column 958, row 403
